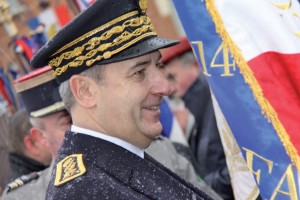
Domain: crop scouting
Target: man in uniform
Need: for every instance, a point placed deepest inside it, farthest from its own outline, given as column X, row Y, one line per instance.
column 50, row 121
column 107, row 61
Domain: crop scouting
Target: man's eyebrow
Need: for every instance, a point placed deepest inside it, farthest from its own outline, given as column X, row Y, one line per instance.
column 140, row 63
column 145, row 62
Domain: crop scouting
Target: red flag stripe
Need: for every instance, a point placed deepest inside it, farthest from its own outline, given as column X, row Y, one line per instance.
column 279, row 77
column 62, row 14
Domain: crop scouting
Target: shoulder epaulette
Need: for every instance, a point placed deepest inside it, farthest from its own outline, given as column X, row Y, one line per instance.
column 69, row 168
column 22, row 181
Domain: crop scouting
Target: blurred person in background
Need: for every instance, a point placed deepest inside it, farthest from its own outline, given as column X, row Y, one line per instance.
column 204, row 139
column 28, row 152
column 45, row 110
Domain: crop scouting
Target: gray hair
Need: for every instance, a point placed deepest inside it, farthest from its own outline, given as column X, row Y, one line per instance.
column 38, row 122
column 187, row 58
column 95, row 73
column 19, row 127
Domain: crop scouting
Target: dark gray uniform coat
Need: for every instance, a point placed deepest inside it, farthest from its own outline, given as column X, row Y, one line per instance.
column 112, row 172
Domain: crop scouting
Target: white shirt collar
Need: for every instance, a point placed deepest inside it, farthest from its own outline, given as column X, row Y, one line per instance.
column 133, row 149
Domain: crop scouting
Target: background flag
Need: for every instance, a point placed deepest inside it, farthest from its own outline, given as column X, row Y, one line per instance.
column 171, row 127
column 242, row 181
column 53, row 19
column 249, row 51
column 83, row 4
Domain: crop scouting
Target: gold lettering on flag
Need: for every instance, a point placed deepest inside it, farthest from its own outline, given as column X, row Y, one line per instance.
column 284, row 6
column 201, row 56
column 289, row 175
column 226, row 65
column 249, row 158
column 297, row 33
column 242, row 179
column 221, row 51
column 288, row 14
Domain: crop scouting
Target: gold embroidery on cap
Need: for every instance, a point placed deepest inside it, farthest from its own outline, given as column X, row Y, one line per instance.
column 90, row 62
column 145, row 29
column 69, row 168
column 96, row 30
column 143, row 5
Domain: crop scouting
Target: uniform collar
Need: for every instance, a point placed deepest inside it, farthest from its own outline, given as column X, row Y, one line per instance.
column 146, row 176
column 133, row 149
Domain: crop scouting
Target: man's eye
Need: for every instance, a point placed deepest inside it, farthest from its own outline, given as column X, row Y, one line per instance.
column 171, row 77
column 139, row 73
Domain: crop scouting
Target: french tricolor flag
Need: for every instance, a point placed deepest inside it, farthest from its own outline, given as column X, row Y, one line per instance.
column 249, row 51
column 269, row 42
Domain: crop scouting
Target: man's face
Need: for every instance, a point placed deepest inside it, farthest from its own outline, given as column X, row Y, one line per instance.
column 55, row 126
column 182, row 76
column 129, row 99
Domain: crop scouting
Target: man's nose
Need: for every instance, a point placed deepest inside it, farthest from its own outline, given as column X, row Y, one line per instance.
column 161, row 85
column 173, row 87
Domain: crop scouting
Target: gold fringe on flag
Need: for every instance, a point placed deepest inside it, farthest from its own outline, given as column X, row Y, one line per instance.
column 266, row 107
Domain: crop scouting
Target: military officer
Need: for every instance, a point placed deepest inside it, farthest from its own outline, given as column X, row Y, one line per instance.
column 51, row 120
column 107, row 62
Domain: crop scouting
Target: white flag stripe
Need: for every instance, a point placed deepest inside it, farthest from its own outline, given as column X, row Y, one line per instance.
column 242, row 180
column 254, row 38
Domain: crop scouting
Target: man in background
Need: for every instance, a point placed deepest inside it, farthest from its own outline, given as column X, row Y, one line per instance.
column 49, row 120
column 28, row 152
column 204, row 139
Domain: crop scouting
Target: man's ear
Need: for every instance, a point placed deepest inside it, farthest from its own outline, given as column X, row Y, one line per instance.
column 33, row 140
column 37, row 136
column 84, row 90
column 30, row 145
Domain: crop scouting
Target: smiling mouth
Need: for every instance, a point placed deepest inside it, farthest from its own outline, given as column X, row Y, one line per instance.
column 154, row 108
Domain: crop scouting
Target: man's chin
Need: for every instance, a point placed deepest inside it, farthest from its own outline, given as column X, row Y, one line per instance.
column 152, row 129
column 156, row 132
